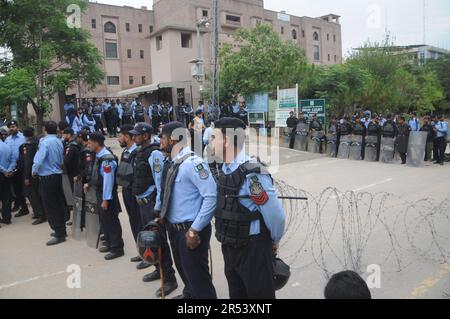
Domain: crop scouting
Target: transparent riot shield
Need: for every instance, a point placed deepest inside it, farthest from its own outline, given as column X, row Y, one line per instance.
column 78, row 210
column 92, row 218
column 67, row 189
column 356, row 147
column 286, row 134
column 301, row 136
column 316, row 140
column 387, row 150
column 416, row 148
column 371, row 149
column 344, row 147
column 331, row 145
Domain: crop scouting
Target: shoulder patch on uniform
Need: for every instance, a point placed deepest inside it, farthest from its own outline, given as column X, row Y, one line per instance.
column 157, row 165
column 202, row 171
column 196, row 160
column 107, row 167
column 258, row 194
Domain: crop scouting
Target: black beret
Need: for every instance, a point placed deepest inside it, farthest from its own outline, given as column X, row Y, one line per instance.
column 170, row 127
column 141, row 128
column 230, row 122
column 12, row 122
column 126, row 128
column 96, row 137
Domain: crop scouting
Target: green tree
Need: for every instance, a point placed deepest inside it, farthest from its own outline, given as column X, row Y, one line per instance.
column 262, row 63
column 54, row 55
column 441, row 67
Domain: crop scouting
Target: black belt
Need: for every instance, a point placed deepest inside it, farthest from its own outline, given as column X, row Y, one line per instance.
column 183, row 226
column 49, row 176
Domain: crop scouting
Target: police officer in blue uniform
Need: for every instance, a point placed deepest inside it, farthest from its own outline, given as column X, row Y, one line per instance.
column 249, row 228
column 146, row 186
column 125, row 179
column 188, row 203
column 14, row 141
column 103, row 180
column 7, row 163
column 48, row 163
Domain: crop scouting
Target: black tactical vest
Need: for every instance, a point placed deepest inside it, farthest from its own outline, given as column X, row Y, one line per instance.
column 87, row 160
column 233, row 220
column 344, row 129
column 388, row 129
column 125, row 169
column 358, row 129
column 315, row 125
column 373, row 129
column 139, row 110
column 142, row 172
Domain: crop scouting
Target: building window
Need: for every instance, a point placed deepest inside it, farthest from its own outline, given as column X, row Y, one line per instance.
column 315, row 36
column 328, row 37
column 335, row 58
column 159, row 42
column 113, row 80
column 127, row 27
column 186, row 40
column 334, row 37
column 329, row 57
column 303, row 33
column 316, row 53
column 94, row 24
column 142, row 54
column 110, row 27
column 282, row 30
column 204, row 13
column 294, row 34
column 129, row 53
column 143, row 80
column 233, row 19
column 131, row 80
column 151, row 29
column 111, row 50
column 140, row 27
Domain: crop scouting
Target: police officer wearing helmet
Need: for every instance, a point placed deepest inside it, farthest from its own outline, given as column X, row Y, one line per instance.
column 374, row 130
column 146, row 187
column 188, row 203
column 103, row 180
column 251, row 227
column 125, row 179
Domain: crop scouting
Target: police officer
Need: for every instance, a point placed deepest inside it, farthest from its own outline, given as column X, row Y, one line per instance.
column 47, row 165
column 243, row 114
column 125, row 179
column 103, row 180
column 374, row 129
column 248, row 228
column 7, row 164
column 72, row 152
column 188, row 203
column 138, row 111
column 359, row 129
column 402, row 138
column 188, row 114
column 345, row 128
column 87, row 158
column 389, row 128
column 291, row 123
column 154, row 114
column 14, row 141
column 316, row 126
column 440, row 141
column 431, row 133
column 146, row 187
column 97, row 112
column 127, row 115
column 31, row 184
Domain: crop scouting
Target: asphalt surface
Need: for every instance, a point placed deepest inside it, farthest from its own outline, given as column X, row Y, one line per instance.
column 29, row 269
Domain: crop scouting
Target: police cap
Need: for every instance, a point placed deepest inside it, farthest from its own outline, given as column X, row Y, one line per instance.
column 11, row 123
column 141, row 128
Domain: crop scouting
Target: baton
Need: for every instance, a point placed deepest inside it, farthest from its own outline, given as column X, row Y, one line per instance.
column 279, row 197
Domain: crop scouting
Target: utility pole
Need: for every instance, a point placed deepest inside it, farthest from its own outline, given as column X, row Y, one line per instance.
column 214, row 54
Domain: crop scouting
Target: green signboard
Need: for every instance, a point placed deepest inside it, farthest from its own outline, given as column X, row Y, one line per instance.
column 311, row 107
column 288, row 98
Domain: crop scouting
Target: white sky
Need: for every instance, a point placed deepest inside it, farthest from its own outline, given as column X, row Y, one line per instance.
column 367, row 19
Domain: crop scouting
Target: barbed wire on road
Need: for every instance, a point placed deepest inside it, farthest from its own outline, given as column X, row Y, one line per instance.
column 350, row 230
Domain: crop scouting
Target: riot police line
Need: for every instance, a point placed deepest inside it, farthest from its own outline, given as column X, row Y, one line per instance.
column 370, row 139
column 171, row 196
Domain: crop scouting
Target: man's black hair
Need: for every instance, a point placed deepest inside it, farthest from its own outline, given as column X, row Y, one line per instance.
column 28, row 132
column 169, row 128
column 62, row 125
column 68, row 130
column 50, row 127
column 347, row 285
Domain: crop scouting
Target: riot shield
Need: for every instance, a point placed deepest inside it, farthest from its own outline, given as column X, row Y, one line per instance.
column 67, row 189
column 301, row 136
column 344, row 147
column 371, row 149
column 331, row 145
column 387, row 150
column 356, row 147
column 416, row 148
column 316, row 139
column 78, row 210
column 92, row 218
column 285, row 136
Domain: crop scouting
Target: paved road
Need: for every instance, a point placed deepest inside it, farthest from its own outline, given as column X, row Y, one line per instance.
column 29, row 269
